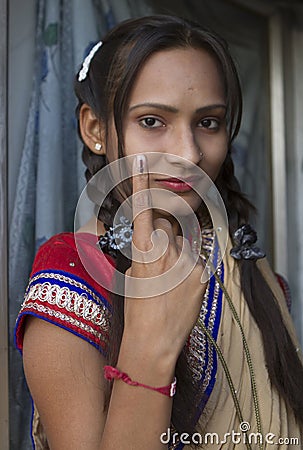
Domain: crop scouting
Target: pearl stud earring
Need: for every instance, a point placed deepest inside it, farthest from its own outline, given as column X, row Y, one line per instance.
column 98, row 146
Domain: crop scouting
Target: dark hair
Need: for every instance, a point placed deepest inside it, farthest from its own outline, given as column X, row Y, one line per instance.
column 106, row 90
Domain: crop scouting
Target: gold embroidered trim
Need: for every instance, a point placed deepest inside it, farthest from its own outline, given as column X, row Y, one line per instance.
column 198, row 341
column 65, row 318
column 69, row 301
column 67, row 280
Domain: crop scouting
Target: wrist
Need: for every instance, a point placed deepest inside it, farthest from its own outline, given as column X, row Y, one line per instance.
column 113, row 373
column 145, row 363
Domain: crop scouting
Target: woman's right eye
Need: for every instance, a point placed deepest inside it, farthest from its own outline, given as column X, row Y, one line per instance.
column 150, row 122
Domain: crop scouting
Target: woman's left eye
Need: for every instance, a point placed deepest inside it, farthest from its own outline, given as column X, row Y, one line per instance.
column 210, row 124
column 150, row 122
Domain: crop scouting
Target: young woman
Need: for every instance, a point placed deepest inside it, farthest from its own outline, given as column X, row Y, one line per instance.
column 159, row 86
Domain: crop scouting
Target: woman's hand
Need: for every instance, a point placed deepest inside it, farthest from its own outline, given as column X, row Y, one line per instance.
column 159, row 323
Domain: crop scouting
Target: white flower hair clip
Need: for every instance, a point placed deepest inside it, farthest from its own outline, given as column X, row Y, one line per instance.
column 86, row 63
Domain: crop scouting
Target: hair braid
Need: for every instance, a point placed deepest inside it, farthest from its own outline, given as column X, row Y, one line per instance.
column 106, row 212
column 237, row 205
column 281, row 357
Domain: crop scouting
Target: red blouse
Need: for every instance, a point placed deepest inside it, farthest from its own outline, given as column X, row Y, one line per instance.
column 62, row 292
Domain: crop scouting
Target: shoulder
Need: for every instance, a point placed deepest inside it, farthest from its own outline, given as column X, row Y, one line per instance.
column 68, row 287
column 78, row 256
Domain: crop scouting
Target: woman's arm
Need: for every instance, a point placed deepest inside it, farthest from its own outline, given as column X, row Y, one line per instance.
column 65, row 377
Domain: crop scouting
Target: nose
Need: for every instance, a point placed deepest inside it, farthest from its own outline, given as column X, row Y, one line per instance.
column 184, row 145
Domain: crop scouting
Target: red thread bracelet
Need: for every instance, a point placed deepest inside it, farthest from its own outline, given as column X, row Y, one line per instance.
column 111, row 373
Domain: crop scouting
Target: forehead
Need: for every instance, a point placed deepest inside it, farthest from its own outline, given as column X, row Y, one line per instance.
column 172, row 73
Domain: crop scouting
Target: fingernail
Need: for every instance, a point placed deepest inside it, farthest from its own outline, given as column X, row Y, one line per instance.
column 140, row 163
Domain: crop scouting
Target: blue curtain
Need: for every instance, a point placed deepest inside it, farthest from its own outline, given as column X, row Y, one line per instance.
column 51, row 173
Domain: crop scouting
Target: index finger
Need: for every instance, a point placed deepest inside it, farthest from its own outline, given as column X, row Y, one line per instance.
column 142, row 206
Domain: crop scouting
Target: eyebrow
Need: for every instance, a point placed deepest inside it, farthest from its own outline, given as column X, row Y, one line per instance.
column 172, row 109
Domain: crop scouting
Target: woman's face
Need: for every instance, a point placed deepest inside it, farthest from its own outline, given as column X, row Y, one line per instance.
column 177, row 109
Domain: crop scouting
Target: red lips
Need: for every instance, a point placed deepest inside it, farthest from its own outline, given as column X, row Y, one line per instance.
column 174, row 184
